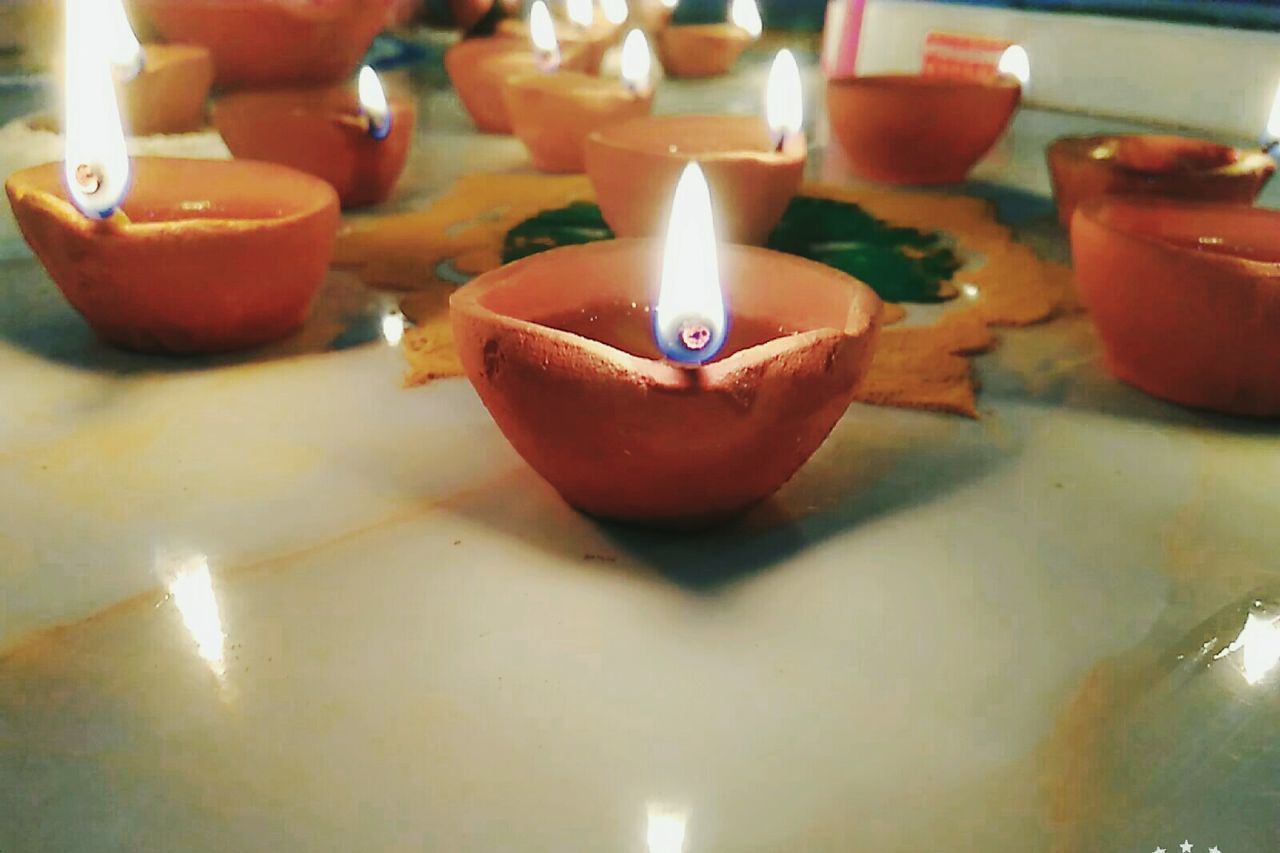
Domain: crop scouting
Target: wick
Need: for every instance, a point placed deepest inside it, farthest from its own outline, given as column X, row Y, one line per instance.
column 379, row 130
column 780, row 144
column 89, row 178
column 695, row 335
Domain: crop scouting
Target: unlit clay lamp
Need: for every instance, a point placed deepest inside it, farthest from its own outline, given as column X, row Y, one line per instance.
column 682, row 416
column 585, row 33
column 552, row 114
column 258, row 43
column 917, row 129
column 202, row 256
column 358, row 141
column 708, row 50
column 479, row 68
column 1185, row 297
column 754, row 167
column 1083, row 167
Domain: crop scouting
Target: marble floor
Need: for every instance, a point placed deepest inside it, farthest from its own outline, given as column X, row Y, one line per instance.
column 277, row 602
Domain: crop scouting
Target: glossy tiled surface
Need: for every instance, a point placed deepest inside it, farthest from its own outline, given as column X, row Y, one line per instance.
column 276, row 602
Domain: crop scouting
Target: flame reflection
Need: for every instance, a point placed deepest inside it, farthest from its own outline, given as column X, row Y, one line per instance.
column 190, row 586
column 1259, row 645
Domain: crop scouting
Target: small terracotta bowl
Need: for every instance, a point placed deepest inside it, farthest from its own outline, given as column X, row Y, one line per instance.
column 169, row 95
column 214, row 254
column 591, row 45
column 320, row 132
column 634, row 167
column 479, row 69
column 553, row 114
column 258, row 43
column 701, row 50
column 1185, row 297
column 912, row 129
column 630, row 436
column 1083, row 167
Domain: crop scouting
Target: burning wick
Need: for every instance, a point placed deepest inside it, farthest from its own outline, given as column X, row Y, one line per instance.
column 1015, row 62
column 546, row 49
column 784, row 100
column 746, row 15
column 1271, row 137
column 95, row 162
column 89, row 179
column 689, row 320
column 373, row 104
column 636, row 63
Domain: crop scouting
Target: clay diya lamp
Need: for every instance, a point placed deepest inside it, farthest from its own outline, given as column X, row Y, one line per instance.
column 1084, row 167
column 602, row 399
column 924, row 129
column 204, row 256
column 553, row 114
column 589, row 35
column 358, row 141
column 709, row 50
column 479, row 68
column 166, row 254
column 754, row 166
column 262, row 43
column 1185, row 297
column 168, row 94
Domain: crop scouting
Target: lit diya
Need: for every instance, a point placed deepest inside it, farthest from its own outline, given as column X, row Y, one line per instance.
column 590, row 35
column 660, row 404
column 163, row 254
column 1083, row 167
column 653, row 15
column 552, row 114
column 1185, row 297
column 754, row 166
column 708, row 50
column 480, row 67
column 358, row 140
column 258, row 43
column 923, row 129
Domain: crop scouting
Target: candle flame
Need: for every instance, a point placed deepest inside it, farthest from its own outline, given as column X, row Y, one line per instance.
column 1015, row 62
column 1273, row 121
column 124, row 51
column 543, row 33
column 615, row 11
column 581, row 12
column 689, row 320
column 784, row 98
column 96, row 162
column 670, row 4
column 373, row 103
column 665, row 829
column 746, row 14
column 637, row 64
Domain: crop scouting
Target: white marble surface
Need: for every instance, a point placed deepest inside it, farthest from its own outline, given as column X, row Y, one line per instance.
column 276, row 602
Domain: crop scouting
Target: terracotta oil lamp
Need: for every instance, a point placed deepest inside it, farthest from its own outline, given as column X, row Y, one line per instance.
column 479, row 68
column 257, row 43
column 1185, row 297
column 1084, row 167
column 165, row 254
column 553, row 114
column 754, row 167
column 169, row 92
column 918, row 129
column 357, row 140
column 684, row 415
column 709, row 50
column 588, row 34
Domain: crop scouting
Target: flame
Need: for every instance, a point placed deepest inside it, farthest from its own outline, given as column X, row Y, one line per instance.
column 670, row 4
column 393, row 327
column 1015, row 62
column 1259, row 641
column 581, row 12
column 124, row 51
column 543, row 33
column 784, row 98
column 637, row 64
column 373, row 103
column 665, row 829
column 96, row 163
column 615, row 11
column 1273, row 121
column 191, row 586
column 746, row 14
column 689, row 320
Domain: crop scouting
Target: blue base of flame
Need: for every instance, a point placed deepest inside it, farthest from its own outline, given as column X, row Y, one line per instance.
column 674, row 349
